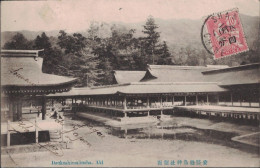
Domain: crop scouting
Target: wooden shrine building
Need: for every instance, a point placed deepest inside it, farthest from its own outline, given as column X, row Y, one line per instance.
column 22, row 79
column 163, row 87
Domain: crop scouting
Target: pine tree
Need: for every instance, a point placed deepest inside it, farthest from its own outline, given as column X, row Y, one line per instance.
column 52, row 57
column 152, row 39
column 84, row 67
column 165, row 55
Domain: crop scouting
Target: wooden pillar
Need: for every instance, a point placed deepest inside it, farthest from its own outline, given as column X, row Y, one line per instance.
column 19, row 109
column 185, row 100
column 148, row 114
column 231, row 97
column 161, row 112
column 62, row 131
column 259, row 101
column 43, row 107
column 11, row 113
column 161, row 100
column 125, row 105
column 114, row 104
column 207, row 99
column 8, row 134
column 249, row 101
column 148, row 102
column 240, row 99
column 36, row 131
column 197, row 102
column 173, row 100
column 14, row 110
column 125, row 113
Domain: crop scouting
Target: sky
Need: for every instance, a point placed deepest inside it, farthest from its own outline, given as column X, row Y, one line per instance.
column 76, row 15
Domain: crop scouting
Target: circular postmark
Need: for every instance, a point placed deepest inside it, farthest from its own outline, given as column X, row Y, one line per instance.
column 222, row 34
column 205, row 37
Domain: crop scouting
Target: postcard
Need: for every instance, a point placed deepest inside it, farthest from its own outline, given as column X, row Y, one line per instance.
column 130, row 83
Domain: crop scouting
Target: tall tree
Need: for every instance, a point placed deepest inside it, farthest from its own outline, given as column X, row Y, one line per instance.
column 152, row 39
column 19, row 42
column 42, row 42
column 93, row 31
column 72, row 44
column 52, row 56
column 165, row 57
column 103, row 50
column 84, row 67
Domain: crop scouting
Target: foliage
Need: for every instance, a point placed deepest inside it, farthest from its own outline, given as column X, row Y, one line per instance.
column 165, row 57
column 92, row 57
column 151, row 40
column 19, row 42
column 71, row 44
column 52, row 56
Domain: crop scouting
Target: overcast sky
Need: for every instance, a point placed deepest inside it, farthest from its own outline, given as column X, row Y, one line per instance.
column 76, row 15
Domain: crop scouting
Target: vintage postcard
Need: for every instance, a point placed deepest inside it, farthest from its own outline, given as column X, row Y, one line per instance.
column 130, row 83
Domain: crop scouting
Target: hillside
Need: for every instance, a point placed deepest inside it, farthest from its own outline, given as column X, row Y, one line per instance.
column 177, row 33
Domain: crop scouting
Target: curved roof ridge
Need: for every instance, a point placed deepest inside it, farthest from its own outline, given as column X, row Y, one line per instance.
column 171, row 83
column 121, row 76
column 240, row 67
column 175, row 67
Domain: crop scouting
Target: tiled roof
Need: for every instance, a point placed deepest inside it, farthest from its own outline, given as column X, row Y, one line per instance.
column 169, row 73
column 24, row 69
column 128, row 76
column 245, row 74
column 146, row 88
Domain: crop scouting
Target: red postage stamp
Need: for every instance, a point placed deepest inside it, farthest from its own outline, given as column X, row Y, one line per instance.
column 226, row 34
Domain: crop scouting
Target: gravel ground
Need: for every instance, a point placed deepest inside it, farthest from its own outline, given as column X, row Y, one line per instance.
column 119, row 152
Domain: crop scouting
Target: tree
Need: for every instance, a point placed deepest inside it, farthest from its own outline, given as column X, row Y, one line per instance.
column 152, row 38
column 165, row 57
column 52, row 56
column 103, row 50
column 72, row 44
column 84, row 67
column 106, row 75
column 19, row 42
column 93, row 30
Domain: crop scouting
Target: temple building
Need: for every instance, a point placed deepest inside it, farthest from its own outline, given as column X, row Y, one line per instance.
column 22, row 79
column 23, row 99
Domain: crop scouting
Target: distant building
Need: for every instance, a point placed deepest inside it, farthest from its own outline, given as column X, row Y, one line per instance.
column 162, row 87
